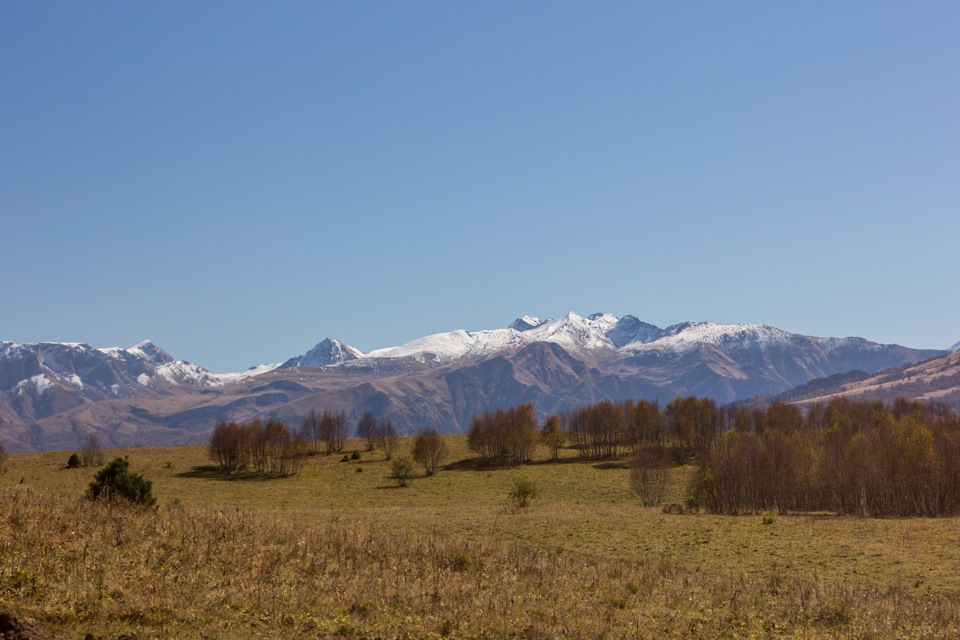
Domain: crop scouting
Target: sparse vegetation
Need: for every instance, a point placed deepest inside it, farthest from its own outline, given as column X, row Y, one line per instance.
column 333, row 552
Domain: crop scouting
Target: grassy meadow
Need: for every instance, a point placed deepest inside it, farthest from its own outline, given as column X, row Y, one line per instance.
column 340, row 551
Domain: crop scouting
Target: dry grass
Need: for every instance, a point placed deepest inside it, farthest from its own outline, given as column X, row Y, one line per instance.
column 333, row 552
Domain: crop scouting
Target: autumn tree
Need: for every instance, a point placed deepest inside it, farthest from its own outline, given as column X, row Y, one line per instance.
column 504, row 435
column 229, row 447
column 429, row 449
column 553, row 436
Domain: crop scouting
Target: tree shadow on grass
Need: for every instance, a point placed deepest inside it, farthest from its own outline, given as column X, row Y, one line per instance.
column 477, row 464
column 613, row 464
column 212, row 472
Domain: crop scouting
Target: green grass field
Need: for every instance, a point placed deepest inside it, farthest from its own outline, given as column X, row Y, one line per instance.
column 340, row 550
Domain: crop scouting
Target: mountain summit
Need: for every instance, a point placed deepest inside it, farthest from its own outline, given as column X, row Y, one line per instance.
column 323, row 354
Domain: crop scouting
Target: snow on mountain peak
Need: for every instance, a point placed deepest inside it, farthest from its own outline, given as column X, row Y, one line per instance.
column 683, row 337
column 955, row 347
column 525, row 323
column 455, row 344
column 147, row 350
column 325, row 353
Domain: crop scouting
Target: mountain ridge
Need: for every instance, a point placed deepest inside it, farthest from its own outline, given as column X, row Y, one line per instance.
column 51, row 394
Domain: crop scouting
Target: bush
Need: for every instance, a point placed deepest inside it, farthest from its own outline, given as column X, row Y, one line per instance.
column 402, row 468
column 116, row 481
column 3, row 459
column 523, row 492
column 74, row 462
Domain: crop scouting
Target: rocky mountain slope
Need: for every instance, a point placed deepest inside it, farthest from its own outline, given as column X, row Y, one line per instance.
column 51, row 395
column 933, row 380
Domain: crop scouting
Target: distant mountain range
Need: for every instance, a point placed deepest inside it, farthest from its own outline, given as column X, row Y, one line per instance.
column 934, row 380
column 52, row 394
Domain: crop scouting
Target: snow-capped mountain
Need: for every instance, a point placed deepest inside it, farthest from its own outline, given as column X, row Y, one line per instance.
column 51, row 394
column 43, row 378
column 324, row 354
column 955, row 347
column 571, row 331
column 598, row 332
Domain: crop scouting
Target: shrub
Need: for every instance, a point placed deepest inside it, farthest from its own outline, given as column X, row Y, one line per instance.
column 116, row 481
column 523, row 492
column 768, row 518
column 355, row 455
column 402, row 468
column 74, row 461
column 3, row 459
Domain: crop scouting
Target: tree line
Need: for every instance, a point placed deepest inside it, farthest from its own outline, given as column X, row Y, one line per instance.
column 846, row 456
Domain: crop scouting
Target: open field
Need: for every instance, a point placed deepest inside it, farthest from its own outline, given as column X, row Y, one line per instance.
column 340, row 550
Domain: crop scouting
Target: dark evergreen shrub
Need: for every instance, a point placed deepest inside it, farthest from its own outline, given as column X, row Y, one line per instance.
column 116, row 481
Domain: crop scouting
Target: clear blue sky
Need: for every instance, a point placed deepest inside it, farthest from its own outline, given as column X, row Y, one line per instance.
column 239, row 180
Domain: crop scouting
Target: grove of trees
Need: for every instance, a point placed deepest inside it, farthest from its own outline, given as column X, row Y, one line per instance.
column 844, row 456
column 266, row 449
column 328, row 430
column 504, row 436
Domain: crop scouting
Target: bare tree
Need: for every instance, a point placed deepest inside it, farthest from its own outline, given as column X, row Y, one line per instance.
column 91, row 452
column 648, row 476
column 333, row 427
column 387, row 435
column 311, row 431
column 429, row 449
column 367, row 429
